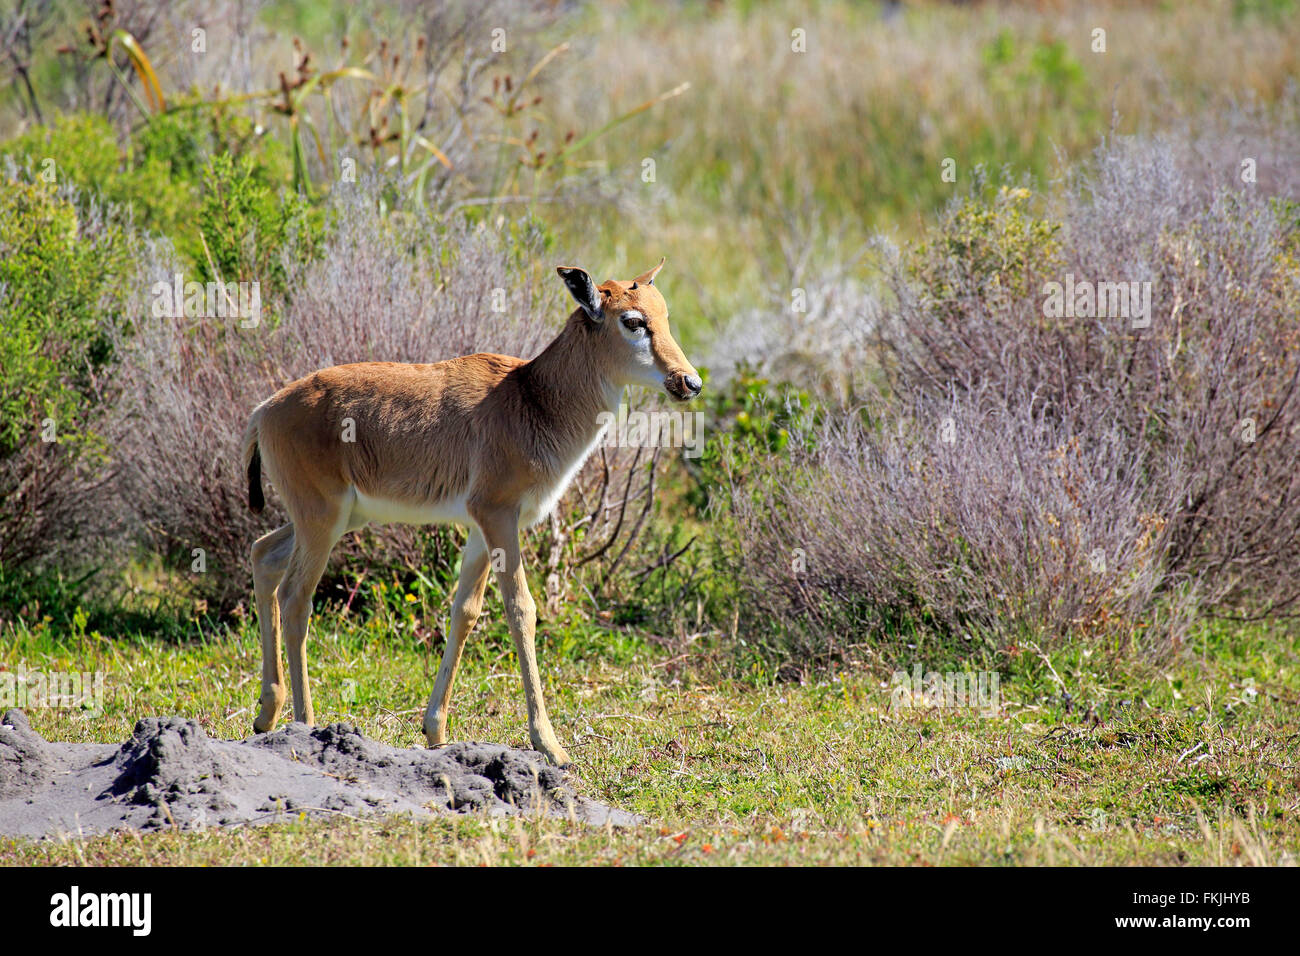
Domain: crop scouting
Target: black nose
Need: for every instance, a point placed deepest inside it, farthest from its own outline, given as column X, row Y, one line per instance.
column 693, row 384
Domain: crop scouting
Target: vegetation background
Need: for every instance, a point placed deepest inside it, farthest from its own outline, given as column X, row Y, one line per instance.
column 908, row 464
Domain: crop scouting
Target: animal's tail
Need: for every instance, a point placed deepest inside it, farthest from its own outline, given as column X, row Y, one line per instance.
column 253, row 462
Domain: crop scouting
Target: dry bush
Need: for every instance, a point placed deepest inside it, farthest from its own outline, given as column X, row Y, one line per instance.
column 1212, row 381
column 598, row 543
column 1104, row 481
column 887, row 528
column 46, row 488
column 405, row 288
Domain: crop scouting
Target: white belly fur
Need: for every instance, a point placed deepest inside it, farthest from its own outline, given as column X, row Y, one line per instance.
column 366, row 508
column 535, row 506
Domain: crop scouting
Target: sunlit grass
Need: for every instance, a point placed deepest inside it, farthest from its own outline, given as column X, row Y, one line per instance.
column 1193, row 765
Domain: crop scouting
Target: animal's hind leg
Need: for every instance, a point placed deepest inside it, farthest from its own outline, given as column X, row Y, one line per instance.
column 270, row 556
column 465, row 609
column 306, row 564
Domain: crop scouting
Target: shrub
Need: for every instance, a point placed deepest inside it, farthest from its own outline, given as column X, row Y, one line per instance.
column 1032, row 476
column 1211, row 382
column 161, row 174
column 60, row 269
column 245, row 226
column 944, row 526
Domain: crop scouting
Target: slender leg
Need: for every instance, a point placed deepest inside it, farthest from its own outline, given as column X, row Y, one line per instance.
column 465, row 610
column 306, row 565
column 501, row 530
column 270, row 558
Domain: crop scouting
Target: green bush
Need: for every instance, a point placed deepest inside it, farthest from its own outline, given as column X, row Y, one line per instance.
column 66, row 256
column 996, row 245
column 61, row 281
column 163, row 173
column 54, row 285
column 246, row 223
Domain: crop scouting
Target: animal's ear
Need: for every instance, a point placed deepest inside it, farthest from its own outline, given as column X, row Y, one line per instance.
column 648, row 278
column 583, row 290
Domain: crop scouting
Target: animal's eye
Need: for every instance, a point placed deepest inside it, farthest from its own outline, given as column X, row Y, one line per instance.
column 634, row 323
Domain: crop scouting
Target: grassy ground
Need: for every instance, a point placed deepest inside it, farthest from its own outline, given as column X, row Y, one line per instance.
column 1190, row 764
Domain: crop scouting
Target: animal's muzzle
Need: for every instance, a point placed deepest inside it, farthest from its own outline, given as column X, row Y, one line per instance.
column 683, row 386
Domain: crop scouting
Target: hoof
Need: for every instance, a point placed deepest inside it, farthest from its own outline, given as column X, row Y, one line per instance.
column 267, row 726
column 560, row 760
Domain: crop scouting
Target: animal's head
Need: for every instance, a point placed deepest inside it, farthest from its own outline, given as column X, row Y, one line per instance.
column 630, row 320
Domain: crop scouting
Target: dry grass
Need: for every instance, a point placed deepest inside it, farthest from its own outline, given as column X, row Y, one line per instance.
column 859, row 125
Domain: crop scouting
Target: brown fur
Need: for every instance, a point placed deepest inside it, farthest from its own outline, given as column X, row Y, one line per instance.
column 497, row 433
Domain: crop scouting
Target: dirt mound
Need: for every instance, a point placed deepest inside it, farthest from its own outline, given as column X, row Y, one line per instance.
column 25, row 763
column 171, row 774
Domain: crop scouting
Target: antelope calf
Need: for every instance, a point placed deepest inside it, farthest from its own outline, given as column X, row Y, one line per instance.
column 486, row 441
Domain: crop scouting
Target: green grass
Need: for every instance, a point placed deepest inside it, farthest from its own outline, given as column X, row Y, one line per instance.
column 1142, row 765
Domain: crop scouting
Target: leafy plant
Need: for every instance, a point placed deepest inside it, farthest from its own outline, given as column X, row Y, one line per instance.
column 244, row 225
column 62, row 270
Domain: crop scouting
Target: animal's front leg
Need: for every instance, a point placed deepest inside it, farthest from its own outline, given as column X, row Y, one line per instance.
column 502, row 533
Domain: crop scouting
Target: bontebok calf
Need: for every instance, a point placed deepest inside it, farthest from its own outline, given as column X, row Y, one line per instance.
column 486, row 441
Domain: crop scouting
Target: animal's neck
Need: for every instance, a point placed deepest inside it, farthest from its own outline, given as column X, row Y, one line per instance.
column 568, row 389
